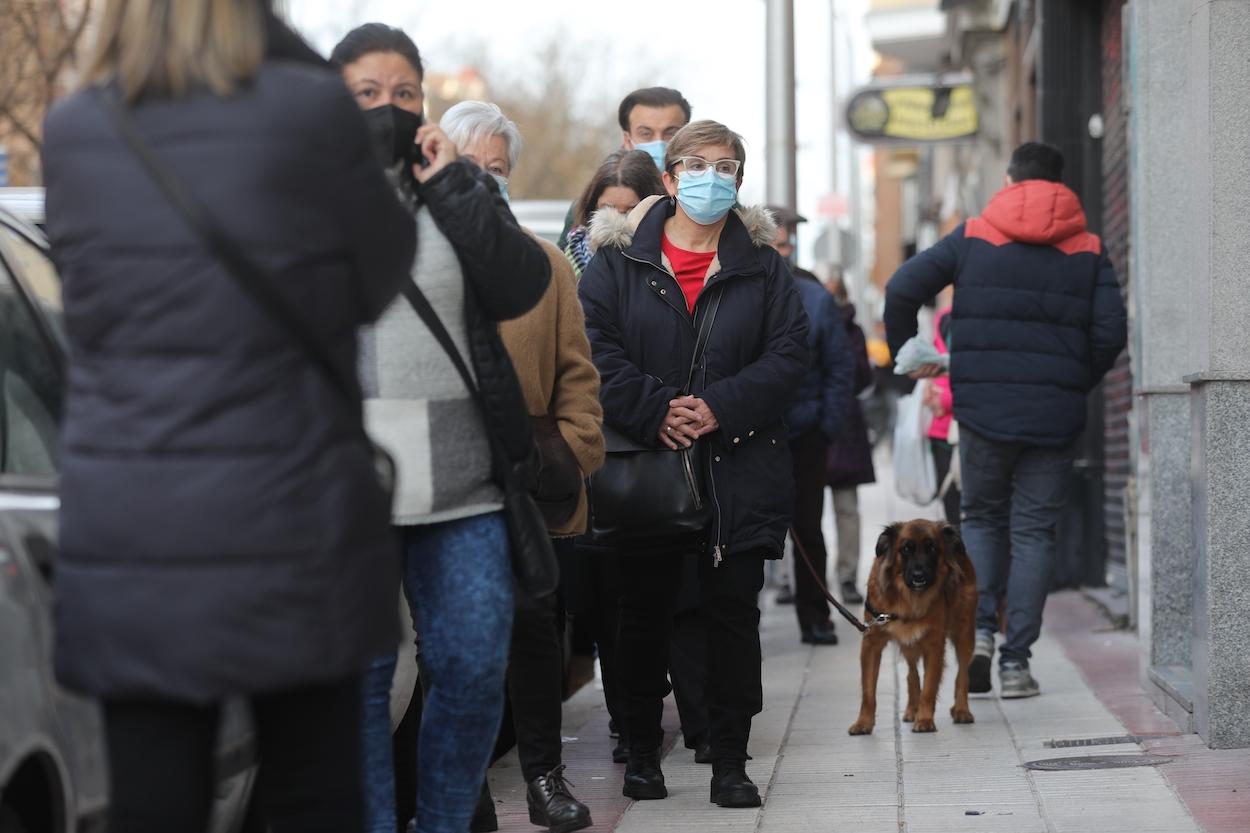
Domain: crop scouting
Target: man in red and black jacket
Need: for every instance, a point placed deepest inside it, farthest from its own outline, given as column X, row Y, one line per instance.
column 1037, row 321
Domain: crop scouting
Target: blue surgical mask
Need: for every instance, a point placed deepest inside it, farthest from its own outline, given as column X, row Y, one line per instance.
column 656, row 150
column 502, row 181
column 706, row 198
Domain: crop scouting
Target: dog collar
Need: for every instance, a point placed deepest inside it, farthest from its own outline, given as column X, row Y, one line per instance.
column 878, row 618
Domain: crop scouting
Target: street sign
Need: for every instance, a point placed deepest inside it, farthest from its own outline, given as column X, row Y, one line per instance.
column 913, row 113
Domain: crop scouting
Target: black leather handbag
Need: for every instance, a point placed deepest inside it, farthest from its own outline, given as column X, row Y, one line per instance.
column 644, row 494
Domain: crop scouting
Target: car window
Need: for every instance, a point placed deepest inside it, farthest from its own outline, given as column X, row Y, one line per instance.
column 30, row 375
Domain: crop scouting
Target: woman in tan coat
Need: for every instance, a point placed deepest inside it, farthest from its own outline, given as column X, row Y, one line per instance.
column 551, row 354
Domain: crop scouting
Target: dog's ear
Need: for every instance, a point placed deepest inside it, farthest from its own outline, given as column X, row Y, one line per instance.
column 954, row 541
column 885, row 543
column 954, row 546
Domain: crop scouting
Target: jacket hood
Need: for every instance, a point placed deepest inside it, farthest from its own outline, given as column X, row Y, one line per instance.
column 611, row 228
column 1036, row 211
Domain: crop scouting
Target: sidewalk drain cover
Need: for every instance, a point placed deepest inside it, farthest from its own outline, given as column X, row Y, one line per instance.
column 1095, row 762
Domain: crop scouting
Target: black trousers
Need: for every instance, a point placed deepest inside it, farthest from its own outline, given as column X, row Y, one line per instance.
column 593, row 599
column 809, row 452
column 729, row 604
column 536, row 676
column 161, row 762
column 942, row 454
column 687, row 662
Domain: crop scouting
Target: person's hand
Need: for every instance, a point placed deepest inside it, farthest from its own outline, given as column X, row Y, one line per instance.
column 678, row 430
column 439, row 151
column 927, row 371
column 933, row 400
column 696, row 411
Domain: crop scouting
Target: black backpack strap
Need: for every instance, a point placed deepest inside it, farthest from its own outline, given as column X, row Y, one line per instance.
column 250, row 277
column 705, row 331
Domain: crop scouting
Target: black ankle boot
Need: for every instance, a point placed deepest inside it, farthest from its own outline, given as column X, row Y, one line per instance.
column 643, row 779
column 731, row 787
column 552, row 806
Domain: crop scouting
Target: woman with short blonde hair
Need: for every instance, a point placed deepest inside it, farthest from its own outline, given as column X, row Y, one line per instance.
column 223, row 529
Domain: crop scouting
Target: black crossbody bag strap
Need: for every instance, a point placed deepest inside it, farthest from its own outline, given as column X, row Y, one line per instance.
column 705, row 333
column 250, row 277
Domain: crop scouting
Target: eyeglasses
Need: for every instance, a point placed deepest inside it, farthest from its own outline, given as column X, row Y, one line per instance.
column 697, row 165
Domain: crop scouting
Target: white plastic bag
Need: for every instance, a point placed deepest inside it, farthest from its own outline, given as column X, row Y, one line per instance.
column 915, row 475
column 917, row 352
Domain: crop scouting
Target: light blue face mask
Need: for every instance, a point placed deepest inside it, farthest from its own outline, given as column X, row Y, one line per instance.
column 656, row 150
column 503, row 186
column 707, row 197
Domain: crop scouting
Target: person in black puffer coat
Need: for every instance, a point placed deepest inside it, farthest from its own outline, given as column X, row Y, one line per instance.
column 223, row 531
column 1037, row 321
column 643, row 292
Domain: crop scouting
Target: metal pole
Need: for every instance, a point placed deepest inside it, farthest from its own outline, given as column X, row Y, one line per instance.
column 782, row 184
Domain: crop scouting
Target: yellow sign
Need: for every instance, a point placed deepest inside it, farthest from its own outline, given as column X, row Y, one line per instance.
column 914, row 114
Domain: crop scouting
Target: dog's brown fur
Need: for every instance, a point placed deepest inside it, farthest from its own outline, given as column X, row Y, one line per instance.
column 926, row 617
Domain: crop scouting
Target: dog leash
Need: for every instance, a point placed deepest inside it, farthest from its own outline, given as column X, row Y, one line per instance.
column 820, row 582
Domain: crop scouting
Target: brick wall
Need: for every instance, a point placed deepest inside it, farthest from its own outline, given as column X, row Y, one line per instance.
column 1118, row 387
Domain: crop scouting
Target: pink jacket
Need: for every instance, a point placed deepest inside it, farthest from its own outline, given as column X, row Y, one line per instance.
column 941, row 425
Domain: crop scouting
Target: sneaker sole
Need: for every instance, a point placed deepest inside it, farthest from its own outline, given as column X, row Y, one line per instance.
column 979, row 681
column 1019, row 695
column 645, row 793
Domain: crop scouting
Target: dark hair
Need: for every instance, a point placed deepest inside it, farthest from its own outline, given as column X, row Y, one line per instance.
column 376, row 37
column 633, row 169
column 651, row 97
column 1035, row 160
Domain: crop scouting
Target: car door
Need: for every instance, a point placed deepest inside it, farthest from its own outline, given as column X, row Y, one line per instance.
column 64, row 728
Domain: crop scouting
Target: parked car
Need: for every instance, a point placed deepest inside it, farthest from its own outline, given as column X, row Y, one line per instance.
column 52, row 758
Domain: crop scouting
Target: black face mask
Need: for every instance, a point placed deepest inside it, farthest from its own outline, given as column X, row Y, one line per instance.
column 394, row 132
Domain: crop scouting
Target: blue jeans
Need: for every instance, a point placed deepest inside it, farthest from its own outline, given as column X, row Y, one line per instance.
column 458, row 579
column 1012, row 496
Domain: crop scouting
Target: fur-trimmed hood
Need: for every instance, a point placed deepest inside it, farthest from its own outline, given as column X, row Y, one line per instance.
column 612, row 228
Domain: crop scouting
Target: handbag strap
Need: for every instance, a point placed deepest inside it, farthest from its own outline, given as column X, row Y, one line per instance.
column 705, row 331
column 250, row 277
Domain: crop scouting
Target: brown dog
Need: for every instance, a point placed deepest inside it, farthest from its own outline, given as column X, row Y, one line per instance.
column 922, row 588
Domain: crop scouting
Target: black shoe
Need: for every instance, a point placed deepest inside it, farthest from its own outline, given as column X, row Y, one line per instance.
column 484, row 819
column 552, row 806
column 620, row 752
column 850, row 596
column 732, row 788
column 819, row 634
column 703, row 753
column 613, row 730
column 785, row 596
column 979, row 681
column 643, row 779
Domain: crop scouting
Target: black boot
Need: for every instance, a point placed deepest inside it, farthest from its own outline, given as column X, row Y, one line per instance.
column 484, row 819
column 731, row 787
column 643, row 779
column 620, row 752
column 553, row 806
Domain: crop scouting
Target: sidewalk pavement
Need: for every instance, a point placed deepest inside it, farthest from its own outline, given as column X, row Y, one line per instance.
column 815, row 777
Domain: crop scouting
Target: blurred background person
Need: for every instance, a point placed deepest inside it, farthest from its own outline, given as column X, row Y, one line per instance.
column 938, row 399
column 223, row 528
column 814, row 418
column 649, row 118
column 655, row 272
column 453, row 536
column 625, row 178
column 850, row 454
column 551, row 356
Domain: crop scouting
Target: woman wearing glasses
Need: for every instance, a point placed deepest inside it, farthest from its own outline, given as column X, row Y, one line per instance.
column 654, row 276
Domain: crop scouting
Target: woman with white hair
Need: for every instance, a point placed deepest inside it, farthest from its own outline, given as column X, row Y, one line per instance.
column 551, row 355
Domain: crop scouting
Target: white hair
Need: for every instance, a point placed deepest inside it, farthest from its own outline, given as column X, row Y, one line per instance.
column 473, row 121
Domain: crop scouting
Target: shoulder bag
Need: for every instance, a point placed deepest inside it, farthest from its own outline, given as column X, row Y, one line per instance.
column 644, row 494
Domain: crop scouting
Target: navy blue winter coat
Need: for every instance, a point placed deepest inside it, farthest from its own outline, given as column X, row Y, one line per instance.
column 642, row 337
column 1037, row 319
column 222, row 529
column 824, row 397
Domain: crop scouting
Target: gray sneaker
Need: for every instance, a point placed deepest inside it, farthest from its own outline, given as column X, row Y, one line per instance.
column 980, row 667
column 1015, row 681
